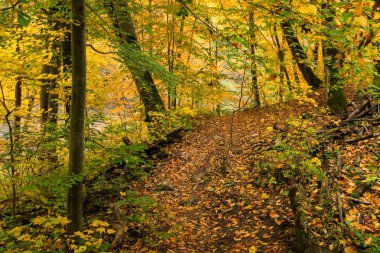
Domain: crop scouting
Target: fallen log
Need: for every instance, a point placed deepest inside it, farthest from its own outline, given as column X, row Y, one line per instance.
column 171, row 137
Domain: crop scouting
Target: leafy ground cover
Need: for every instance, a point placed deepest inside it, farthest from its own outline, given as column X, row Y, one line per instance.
column 240, row 202
column 285, row 178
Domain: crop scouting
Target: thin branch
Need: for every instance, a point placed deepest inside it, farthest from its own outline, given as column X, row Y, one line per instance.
column 359, row 201
column 210, row 27
column 97, row 14
column 98, row 51
column 10, row 7
column 362, row 138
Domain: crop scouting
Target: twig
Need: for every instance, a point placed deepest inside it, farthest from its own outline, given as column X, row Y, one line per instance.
column 98, row 51
column 209, row 26
column 362, row 138
column 10, row 7
column 359, row 201
column 352, row 114
column 339, row 200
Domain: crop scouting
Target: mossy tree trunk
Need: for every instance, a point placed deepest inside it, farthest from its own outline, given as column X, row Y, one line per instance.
column 78, row 95
column 146, row 88
column 376, row 77
column 299, row 55
column 333, row 61
column 252, row 37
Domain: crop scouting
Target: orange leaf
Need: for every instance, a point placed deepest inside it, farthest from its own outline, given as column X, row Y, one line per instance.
column 359, row 10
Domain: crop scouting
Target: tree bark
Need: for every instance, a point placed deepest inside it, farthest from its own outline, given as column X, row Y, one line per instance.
column 333, row 61
column 255, row 83
column 299, row 55
column 78, row 95
column 281, row 58
column 44, row 95
column 123, row 21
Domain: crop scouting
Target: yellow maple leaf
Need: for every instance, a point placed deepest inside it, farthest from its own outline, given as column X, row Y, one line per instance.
column 359, row 10
column 273, row 215
column 101, row 230
column 252, row 249
column 38, row 220
column 349, row 250
column 111, row 231
column 63, row 220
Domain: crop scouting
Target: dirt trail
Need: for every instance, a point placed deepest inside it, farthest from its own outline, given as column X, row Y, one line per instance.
column 211, row 211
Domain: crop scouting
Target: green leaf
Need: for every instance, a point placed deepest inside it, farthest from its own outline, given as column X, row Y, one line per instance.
column 23, row 19
column 347, row 15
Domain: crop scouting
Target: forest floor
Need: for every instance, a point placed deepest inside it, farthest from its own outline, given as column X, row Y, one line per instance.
column 212, row 210
column 214, row 204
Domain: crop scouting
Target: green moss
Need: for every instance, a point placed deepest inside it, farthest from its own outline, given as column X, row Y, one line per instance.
column 337, row 99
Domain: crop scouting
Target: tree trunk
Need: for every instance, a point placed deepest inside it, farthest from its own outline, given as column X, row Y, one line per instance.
column 44, row 94
column 66, row 63
column 252, row 37
column 281, row 58
column 376, row 78
column 78, row 95
column 299, row 55
column 170, row 55
column 333, row 61
column 336, row 96
column 148, row 92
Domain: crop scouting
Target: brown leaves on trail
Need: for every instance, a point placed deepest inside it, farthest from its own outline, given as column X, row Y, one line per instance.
column 246, row 210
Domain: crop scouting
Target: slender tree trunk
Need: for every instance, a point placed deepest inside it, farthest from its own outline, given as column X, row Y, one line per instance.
column 66, row 63
column 316, row 53
column 333, row 61
column 55, row 63
column 255, row 83
column 78, row 95
column 281, row 58
column 170, row 53
column 44, row 94
column 150, row 25
column 295, row 72
column 299, row 55
column 15, row 148
column 376, row 78
column 18, row 98
column 148, row 92
column 53, row 94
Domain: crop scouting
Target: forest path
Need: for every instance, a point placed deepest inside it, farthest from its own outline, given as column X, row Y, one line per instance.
column 212, row 211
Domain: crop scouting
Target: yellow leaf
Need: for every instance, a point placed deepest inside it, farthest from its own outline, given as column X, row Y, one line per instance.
column 252, row 249
column 101, row 230
column 349, row 250
column 359, row 10
column 38, row 220
column 368, row 241
column 111, row 231
column 25, row 238
column 63, row 220
column 99, row 223
column 273, row 214
column 81, row 249
column 264, row 196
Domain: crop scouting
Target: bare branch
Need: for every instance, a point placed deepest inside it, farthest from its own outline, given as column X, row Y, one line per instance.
column 10, row 7
column 100, row 52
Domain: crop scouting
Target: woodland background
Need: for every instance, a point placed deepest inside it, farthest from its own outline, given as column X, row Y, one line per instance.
column 282, row 95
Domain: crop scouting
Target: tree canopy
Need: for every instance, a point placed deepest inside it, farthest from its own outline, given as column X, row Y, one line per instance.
column 277, row 103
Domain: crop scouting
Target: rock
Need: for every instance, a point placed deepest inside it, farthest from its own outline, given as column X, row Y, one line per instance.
column 164, row 187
